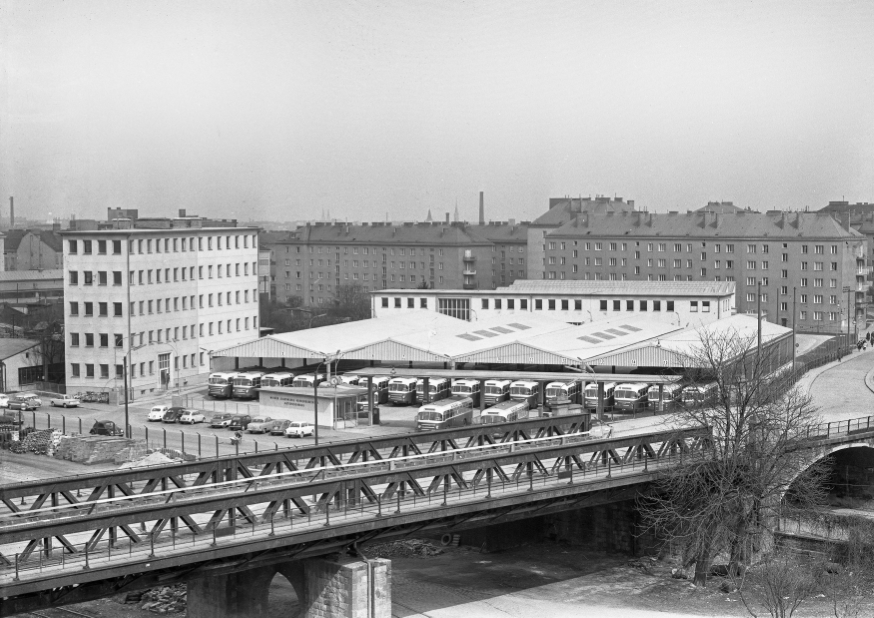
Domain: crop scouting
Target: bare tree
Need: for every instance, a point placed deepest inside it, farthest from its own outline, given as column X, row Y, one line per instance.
column 779, row 584
column 45, row 324
column 727, row 499
column 848, row 582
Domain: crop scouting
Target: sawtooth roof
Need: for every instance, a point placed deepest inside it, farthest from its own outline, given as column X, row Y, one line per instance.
column 742, row 224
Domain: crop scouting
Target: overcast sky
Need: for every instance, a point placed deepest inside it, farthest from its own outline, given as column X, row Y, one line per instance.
column 281, row 109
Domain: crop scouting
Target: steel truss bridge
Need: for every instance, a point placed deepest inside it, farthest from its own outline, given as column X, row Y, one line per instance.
column 77, row 538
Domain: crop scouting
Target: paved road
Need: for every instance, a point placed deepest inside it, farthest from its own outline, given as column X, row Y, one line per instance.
column 839, row 389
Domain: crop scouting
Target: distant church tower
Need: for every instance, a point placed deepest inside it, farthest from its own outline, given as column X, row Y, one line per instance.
column 429, row 219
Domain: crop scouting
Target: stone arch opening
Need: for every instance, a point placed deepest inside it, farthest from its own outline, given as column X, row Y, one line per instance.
column 285, row 592
column 851, row 474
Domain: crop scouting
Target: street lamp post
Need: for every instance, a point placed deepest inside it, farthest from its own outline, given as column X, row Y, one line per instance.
column 124, row 377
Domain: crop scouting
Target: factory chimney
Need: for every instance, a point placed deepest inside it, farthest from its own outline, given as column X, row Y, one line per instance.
column 482, row 210
column 11, row 213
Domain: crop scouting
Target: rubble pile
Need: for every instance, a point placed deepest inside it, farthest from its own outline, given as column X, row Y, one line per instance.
column 99, row 449
column 166, row 600
column 42, row 442
column 155, row 458
column 409, row 548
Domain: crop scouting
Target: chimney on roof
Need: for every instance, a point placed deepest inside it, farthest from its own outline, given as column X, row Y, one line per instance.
column 482, row 209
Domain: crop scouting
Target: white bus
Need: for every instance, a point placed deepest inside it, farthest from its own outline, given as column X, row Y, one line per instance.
column 562, row 391
column 247, row 385
column 631, row 396
column 277, row 379
column 505, row 412
column 526, row 390
column 463, row 387
column 670, row 394
column 438, row 388
column 402, row 391
column 308, row 380
column 451, row 412
column 590, row 401
column 221, row 383
column 497, row 391
column 695, row 395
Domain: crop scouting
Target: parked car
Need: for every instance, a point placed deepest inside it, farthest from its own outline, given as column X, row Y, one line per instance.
column 279, row 427
column 157, row 413
column 64, row 401
column 220, row 420
column 299, row 429
column 239, row 421
column 172, row 415
column 106, row 428
column 4, row 401
column 260, row 424
column 22, row 403
column 191, row 417
column 11, row 417
column 32, row 396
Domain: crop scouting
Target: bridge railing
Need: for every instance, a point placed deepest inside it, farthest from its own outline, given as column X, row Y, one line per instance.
column 836, row 429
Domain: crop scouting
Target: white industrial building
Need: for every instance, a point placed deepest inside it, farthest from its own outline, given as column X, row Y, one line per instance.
column 679, row 302
column 163, row 298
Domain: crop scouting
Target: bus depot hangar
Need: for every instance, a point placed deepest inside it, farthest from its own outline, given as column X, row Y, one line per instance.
column 427, row 335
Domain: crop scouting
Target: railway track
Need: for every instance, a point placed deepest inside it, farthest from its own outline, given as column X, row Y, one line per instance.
column 60, row 612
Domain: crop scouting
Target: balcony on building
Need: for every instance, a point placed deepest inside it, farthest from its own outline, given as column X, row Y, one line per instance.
column 469, row 271
column 468, row 256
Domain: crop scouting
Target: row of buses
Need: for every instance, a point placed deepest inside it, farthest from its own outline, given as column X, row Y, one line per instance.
column 625, row 397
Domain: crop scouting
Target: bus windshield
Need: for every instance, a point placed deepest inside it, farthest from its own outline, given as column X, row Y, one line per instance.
column 494, row 390
column 270, row 382
column 429, row 415
column 242, row 382
column 520, row 390
column 218, row 381
column 398, row 388
column 556, row 392
column 460, row 388
column 623, row 394
column 302, row 381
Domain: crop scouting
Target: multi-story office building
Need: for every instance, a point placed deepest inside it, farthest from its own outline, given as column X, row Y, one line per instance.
column 165, row 298
column 313, row 260
column 808, row 261
column 561, row 211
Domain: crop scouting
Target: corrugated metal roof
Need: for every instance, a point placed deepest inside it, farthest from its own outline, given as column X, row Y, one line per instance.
column 621, row 288
column 32, row 275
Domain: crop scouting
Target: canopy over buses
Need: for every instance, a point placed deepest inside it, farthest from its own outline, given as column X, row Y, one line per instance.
column 635, row 342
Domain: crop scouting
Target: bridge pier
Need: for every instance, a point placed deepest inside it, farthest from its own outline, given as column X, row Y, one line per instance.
column 338, row 587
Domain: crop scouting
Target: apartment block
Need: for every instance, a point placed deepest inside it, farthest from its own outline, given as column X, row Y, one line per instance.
column 163, row 297
column 807, row 263
column 314, row 259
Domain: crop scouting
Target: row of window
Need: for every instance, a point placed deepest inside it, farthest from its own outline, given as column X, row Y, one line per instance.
column 818, row 299
column 678, row 263
column 221, row 327
column 162, row 305
column 678, row 247
column 188, row 360
column 159, row 275
column 162, row 245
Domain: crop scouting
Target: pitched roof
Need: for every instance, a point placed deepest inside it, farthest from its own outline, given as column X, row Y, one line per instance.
column 743, row 224
column 47, row 237
column 500, row 232
column 32, row 275
column 407, row 234
column 11, row 347
column 562, row 210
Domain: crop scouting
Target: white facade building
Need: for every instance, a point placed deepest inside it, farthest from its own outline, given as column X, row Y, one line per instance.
column 165, row 297
column 682, row 303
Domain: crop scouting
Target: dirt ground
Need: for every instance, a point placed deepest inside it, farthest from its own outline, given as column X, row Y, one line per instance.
column 544, row 579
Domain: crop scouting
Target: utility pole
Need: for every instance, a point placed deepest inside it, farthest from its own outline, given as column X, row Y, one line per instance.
column 759, row 316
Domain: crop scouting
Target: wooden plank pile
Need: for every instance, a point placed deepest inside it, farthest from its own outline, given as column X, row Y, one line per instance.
column 99, row 449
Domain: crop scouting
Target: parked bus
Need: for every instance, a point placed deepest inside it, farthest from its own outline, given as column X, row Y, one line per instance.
column 463, row 387
column 562, row 391
column 526, row 390
column 221, row 384
column 308, row 380
column 438, row 388
column 631, row 396
column 670, row 394
column 497, row 391
column 247, row 384
column 695, row 395
column 380, row 394
column 505, row 412
column 450, row 412
column 402, row 391
column 277, row 379
column 590, row 401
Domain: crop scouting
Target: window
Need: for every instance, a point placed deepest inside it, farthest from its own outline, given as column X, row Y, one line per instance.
column 751, row 248
column 89, row 370
column 693, row 305
column 101, row 247
column 656, row 305
column 74, row 340
column 74, row 277
column 89, row 309
column 551, row 304
column 116, row 309
column 74, row 369
column 617, row 305
column 74, row 308
column 669, row 305
column 538, row 304
column 116, row 247
column 643, row 305
column 74, row 247
column 104, row 309
column 104, row 340
column 89, row 277
column 705, row 306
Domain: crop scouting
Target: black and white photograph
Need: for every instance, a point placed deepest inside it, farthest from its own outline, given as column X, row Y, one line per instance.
column 419, row 309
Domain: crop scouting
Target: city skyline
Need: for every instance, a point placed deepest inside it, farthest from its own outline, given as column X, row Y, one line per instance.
column 281, row 112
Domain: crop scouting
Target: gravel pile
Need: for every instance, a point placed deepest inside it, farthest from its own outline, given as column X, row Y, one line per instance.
column 410, row 548
column 166, row 600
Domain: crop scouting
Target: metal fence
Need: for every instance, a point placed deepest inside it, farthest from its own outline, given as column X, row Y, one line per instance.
column 221, row 406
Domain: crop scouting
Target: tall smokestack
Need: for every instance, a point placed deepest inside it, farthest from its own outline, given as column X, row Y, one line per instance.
column 482, row 210
column 447, row 217
column 11, row 213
